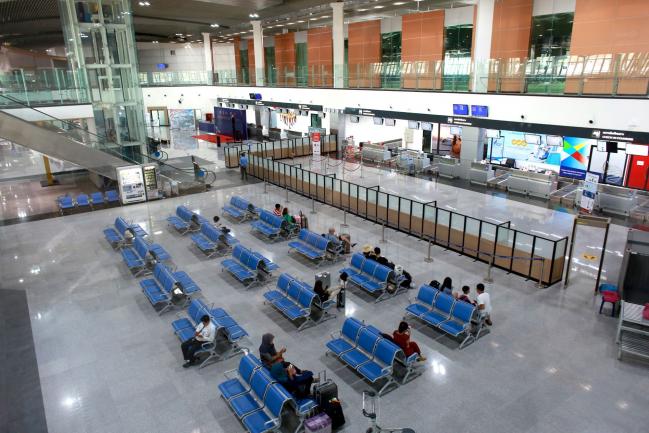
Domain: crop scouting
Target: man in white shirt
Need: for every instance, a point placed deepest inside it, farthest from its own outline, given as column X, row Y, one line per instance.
column 204, row 333
column 484, row 303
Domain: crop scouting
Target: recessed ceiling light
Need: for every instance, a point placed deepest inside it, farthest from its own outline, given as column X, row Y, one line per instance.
column 399, row 3
column 361, row 10
column 379, row 7
column 214, row 25
column 144, row 4
column 312, row 19
column 154, row 42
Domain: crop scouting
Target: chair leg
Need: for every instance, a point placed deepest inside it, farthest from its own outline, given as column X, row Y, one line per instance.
column 613, row 307
column 601, row 306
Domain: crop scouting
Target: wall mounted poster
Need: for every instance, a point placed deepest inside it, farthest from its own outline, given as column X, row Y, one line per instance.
column 589, row 192
column 182, row 119
column 231, row 122
column 574, row 158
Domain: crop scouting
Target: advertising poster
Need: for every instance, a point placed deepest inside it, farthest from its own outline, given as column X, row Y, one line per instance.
column 231, row 122
column 315, row 142
column 589, row 192
column 574, row 158
column 182, row 119
column 514, row 145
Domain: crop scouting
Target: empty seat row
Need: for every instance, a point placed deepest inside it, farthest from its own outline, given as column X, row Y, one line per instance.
column 240, row 209
column 371, row 276
column 227, row 329
column 248, row 266
column 85, row 202
column 257, row 400
column 168, row 289
column 185, row 220
column 296, row 300
column 142, row 255
column 442, row 311
column 311, row 245
column 375, row 358
column 123, row 233
column 272, row 226
column 213, row 241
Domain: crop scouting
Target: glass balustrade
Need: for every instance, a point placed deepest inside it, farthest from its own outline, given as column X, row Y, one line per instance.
column 624, row 74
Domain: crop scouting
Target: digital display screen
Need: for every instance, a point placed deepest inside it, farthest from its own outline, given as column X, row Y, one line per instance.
column 532, row 139
column 413, row 124
column 480, row 111
column 378, row 121
column 390, row 122
column 456, row 130
column 460, row 109
column 427, row 126
column 554, row 140
column 354, row 119
column 493, row 133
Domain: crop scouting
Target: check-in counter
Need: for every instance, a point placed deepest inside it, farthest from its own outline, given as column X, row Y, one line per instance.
column 448, row 167
column 532, row 183
column 375, row 152
column 480, row 173
column 615, row 199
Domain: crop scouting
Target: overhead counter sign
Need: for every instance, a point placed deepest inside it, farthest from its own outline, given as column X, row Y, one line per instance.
column 271, row 104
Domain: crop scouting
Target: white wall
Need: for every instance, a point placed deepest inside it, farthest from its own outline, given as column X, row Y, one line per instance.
column 187, row 57
column 366, row 130
column 458, row 16
column 547, row 7
column 223, row 56
column 606, row 113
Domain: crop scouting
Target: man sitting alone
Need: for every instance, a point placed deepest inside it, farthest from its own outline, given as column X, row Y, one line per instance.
column 205, row 333
column 336, row 239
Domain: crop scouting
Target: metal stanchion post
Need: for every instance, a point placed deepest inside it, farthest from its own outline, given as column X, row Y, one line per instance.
column 313, row 205
column 488, row 278
column 429, row 259
column 383, row 241
column 540, row 283
column 287, row 200
column 344, row 224
column 361, row 165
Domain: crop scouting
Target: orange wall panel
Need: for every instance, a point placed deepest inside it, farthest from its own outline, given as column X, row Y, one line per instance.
column 285, row 58
column 422, row 42
column 320, row 56
column 251, row 61
column 512, row 26
column 364, row 48
column 237, row 57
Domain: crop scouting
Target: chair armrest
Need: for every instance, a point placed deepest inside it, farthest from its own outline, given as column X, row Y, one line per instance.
column 336, row 334
column 228, row 373
column 207, row 345
column 272, row 423
column 387, row 369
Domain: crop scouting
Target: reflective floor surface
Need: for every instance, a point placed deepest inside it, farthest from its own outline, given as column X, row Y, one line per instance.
column 109, row 363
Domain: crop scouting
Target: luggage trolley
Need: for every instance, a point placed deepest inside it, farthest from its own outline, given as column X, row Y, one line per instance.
column 370, row 410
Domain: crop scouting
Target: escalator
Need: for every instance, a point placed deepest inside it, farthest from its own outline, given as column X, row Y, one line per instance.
column 67, row 141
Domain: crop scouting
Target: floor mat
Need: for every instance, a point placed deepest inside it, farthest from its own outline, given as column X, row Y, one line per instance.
column 212, row 138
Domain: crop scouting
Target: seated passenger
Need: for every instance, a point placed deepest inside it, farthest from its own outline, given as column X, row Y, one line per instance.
column 465, row 295
column 267, row 352
column 337, row 239
column 278, row 209
column 484, row 304
column 379, row 258
column 326, row 294
column 204, row 333
column 447, row 286
column 297, row 382
column 401, row 338
column 368, row 251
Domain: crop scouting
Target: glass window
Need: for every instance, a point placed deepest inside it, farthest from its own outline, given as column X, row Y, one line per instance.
column 457, row 56
column 551, row 35
column 391, row 59
column 269, row 60
column 302, row 64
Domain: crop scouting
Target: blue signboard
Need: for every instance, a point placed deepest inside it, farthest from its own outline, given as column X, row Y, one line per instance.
column 460, row 109
column 480, row 111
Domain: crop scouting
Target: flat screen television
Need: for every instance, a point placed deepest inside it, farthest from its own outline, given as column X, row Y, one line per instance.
column 354, row 119
column 378, row 121
column 532, row 139
column 554, row 140
column 426, row 126
column 413, row 124
column 390, row 122
column 456, row 130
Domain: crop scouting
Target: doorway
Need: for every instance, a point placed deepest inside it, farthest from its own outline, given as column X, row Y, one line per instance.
column 157, row 116
column 611, row 166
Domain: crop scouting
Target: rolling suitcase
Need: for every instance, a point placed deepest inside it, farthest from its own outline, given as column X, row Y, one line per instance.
column 325, row 391
column 320, row 423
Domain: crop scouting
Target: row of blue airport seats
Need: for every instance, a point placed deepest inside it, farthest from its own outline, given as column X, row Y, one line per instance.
column 167, row 288
column 273, row 227
column 258, row 401
column 442, row 311
column 375, row 358
column 226, row 328
column 371, row 276
column 141, row 255
column 240, row 209
column 296, row 300
column 185, row 220
column 123, row 233
column 213, row 241
column 314, row 247
column 249, row 267
column 85, row 202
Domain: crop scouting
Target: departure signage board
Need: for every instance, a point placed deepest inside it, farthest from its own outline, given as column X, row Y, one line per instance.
column 480, row 111
column 460, row 110
column 272, row 104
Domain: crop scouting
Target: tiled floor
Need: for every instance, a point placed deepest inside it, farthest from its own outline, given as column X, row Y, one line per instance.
column 109, row 363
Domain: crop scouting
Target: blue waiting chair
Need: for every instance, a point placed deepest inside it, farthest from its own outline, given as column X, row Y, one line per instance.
column 65, row 203
column 270, row 225
column 239, row 209
column 372, row 277
column 83, row 201
column 182, row 221
column 97, row 199
column 311, row 245
column 213, row 241
column 248, row 267
column 112, row 197
column 163, row 290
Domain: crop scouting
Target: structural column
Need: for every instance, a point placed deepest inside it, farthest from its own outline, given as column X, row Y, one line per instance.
column 338, row 35
column 482, row 45
column 258, row 41
column 207, row 51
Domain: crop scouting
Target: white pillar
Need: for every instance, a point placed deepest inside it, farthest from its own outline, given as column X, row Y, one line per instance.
column 482, row 49
column 472, row 148
column 258, row 40
column 207, row 52
column 338, row 36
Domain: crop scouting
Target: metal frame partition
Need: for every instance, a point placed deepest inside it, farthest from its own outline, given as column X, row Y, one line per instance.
column 279, row 149
column 528, row 255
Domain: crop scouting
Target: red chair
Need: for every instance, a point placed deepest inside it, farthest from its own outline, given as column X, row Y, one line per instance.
column 613, row 298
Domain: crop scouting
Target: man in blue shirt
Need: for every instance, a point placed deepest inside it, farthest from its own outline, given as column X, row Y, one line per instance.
column 243, row 164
